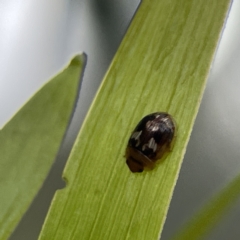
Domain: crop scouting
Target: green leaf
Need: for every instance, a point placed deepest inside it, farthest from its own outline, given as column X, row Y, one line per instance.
column 211, row 213
column 161, row 65
column 30, row 141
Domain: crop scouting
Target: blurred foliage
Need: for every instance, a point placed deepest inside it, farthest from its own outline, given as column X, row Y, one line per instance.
column 29, row 143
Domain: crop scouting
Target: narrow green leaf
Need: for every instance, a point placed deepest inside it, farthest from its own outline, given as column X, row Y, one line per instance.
column 211, row 213
column 161, row 65
column 29, row 143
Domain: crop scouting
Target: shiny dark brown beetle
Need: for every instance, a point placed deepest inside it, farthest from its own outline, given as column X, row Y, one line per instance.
column 150, row 140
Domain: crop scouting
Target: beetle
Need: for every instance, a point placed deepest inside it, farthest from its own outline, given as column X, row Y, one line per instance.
column 150, row 140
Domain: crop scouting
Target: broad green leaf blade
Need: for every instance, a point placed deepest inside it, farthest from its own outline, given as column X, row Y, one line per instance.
column 211, row 213
column 29, row 143
column 161, row 65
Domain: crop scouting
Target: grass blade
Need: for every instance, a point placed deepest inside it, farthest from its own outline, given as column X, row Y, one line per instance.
column 29, row 143
column 161, row 65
